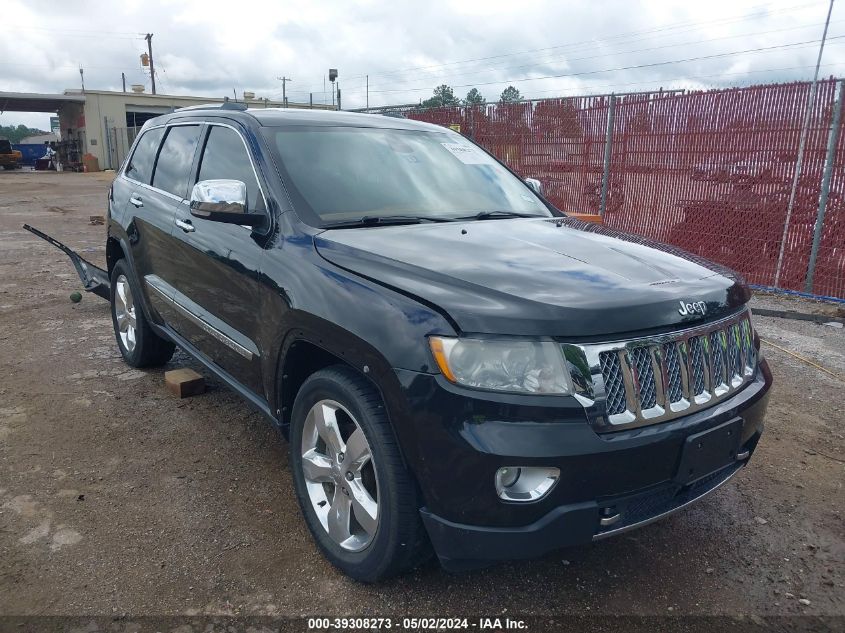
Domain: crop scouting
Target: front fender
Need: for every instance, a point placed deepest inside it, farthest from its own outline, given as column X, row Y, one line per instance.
column 352, row 316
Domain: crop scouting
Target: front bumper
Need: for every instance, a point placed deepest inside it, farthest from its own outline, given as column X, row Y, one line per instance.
column 609, row 483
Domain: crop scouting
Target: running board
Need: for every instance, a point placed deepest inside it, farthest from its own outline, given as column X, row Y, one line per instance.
column 94, row 279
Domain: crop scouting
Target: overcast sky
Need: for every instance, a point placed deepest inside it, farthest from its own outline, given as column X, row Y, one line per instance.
column 210, row 47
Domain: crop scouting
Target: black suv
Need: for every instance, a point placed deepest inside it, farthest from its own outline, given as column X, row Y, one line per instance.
column 455, row 362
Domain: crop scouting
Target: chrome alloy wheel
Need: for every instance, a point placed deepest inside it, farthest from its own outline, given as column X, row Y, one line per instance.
column 124, row 311
column 340, row 475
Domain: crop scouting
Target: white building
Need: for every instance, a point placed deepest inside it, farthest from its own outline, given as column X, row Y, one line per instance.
column 105, row 123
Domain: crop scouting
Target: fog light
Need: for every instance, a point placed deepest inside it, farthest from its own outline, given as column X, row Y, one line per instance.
column 525, row 483
column 506, row 477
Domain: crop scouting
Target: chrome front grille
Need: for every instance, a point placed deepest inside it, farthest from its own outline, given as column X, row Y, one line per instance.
column 653, row 379
column 697, row 365
column 614, row 387
column 674, row 386
column 643, row 372
column 717, row 358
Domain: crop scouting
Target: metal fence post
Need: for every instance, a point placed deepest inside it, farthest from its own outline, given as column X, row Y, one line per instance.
column 832, row 139
column 608, row 146
column 108, row 154
column 811, row 100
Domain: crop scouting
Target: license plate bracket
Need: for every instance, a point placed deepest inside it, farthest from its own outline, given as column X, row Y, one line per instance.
column 709, row 451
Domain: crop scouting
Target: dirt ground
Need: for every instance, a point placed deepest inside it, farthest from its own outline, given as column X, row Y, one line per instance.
column 116, row 498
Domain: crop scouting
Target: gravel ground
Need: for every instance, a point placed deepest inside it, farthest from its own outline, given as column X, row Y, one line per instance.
column 116, row 498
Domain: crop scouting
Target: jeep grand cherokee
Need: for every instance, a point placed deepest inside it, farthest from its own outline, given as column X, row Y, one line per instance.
column 458, row 365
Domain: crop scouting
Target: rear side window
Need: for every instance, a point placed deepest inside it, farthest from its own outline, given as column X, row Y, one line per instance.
column 226, row 157
column 140, row 166
column 173, row 167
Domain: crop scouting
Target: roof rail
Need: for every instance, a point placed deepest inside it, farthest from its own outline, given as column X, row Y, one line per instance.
column 226, row 105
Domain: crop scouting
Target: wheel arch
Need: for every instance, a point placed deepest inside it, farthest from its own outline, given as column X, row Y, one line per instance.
column 114, row 252
column 305, row 351
column 117, row 248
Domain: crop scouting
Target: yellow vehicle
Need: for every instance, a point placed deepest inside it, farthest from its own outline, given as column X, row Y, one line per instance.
column 9, row 158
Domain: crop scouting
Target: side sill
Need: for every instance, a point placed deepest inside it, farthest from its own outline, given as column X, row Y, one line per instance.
column 251, row 397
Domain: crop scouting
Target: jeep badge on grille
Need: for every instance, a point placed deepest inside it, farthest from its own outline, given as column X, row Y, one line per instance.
column 696, row 307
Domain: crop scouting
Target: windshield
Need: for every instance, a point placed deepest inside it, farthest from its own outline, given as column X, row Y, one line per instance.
column 338, row 174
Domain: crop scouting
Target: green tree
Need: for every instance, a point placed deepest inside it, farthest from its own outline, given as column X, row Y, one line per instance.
column 443, row 96
column 640, row 123
column 557, row 117
column 510, row 95
column 474, row 97
column 17, row 132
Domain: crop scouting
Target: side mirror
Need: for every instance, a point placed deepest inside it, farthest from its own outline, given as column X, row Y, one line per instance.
column 536, row 185
column 223, row 201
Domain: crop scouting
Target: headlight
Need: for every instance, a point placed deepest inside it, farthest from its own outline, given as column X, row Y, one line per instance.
column 517, row 366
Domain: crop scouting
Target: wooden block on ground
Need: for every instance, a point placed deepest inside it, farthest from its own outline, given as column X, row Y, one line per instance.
column 184, row 382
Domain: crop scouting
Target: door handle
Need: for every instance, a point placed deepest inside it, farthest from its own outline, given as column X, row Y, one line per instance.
column 186, row 226
column 136, row 201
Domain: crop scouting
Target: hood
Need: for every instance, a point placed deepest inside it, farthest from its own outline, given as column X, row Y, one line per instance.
column 553, row 277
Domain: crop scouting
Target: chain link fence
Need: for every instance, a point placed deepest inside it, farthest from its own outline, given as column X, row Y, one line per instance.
column 711, row 172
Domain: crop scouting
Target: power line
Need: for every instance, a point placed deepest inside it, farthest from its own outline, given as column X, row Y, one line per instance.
column 666, row 84
column 692, row 24
column 620, row 68
column 82, row 33
column 627, row 52
column 669, row 82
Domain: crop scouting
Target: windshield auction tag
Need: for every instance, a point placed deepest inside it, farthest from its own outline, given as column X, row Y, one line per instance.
column 468, row 154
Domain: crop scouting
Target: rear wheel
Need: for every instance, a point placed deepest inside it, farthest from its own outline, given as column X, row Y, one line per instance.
column 358, row 499
column 139, row 345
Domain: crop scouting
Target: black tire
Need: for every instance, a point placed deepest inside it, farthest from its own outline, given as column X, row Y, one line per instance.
column 400, row 542
column 150, row 350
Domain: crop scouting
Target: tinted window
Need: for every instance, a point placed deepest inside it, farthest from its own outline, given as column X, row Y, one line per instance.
column 140, row 167
column 225, row 157
column 344, row 173
column 175, row 158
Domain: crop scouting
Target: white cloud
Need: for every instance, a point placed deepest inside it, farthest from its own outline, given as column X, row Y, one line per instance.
column 209, row 47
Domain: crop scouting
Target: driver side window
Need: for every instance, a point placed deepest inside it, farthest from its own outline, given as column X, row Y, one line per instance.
column 226, row 157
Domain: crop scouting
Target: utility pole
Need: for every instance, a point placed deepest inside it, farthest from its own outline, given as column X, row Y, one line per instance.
column 368, row 91
column 149, row 38
column 123, row 79
column 284, row 81
column 333, row 78
column 82, row 78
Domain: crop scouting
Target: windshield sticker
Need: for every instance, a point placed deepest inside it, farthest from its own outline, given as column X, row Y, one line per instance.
column 468, row 154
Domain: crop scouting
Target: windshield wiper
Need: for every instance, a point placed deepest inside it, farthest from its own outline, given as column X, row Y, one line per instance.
column 382, row 220
column 487, row 215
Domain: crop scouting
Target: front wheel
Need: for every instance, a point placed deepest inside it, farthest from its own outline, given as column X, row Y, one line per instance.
column 139, row 345
column 358, row 499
